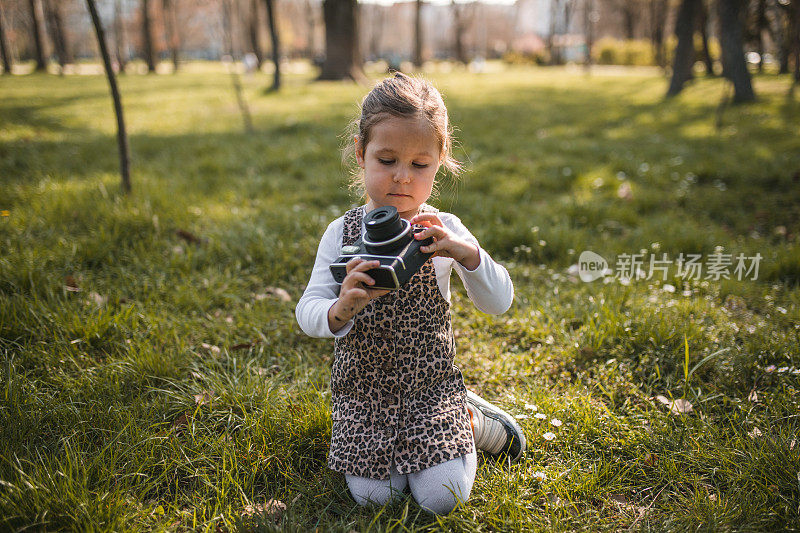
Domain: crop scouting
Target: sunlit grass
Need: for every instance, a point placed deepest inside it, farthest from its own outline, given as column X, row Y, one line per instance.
column 174, row 388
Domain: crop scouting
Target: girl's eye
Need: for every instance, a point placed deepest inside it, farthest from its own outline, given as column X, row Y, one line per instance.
column 385, row 162
column 391, row 162
column 420, row 165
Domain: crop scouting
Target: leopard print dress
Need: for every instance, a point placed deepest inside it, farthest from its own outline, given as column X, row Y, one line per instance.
column 396, row 393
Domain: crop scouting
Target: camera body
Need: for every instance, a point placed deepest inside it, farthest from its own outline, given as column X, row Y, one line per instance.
column 390, row 240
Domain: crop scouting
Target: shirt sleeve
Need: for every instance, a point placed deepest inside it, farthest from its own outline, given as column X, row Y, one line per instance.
column 489, row 286
column 322, row 290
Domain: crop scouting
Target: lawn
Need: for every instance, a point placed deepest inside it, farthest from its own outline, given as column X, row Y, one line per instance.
column 153, row 376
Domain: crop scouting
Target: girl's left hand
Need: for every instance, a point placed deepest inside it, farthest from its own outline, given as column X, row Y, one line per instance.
column 445, row 242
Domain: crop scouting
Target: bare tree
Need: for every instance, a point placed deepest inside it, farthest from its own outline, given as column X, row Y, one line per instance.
column 588, row 31
column 122, row 137
column 658, row 19
column 4, row 50
column 38, row 37
column 310, row 28
column 418, row 34
column 734, row 66
column 684, row 52
column 172, row 35
column 253, row 26
column 276, row 48
column 342, row 57
column 703, row 25
column 147, row 37
column 460, row 23
column 55, row 23
column 227, row 26
column 119, row 37
column 794, row 36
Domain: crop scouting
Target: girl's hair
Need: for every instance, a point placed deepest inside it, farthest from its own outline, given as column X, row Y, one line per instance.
column 401, row 96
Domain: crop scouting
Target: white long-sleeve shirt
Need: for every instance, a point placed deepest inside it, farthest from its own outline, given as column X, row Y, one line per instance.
column 488, row 286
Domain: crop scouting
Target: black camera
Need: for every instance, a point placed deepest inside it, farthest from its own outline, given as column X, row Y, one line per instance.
column 390, row 240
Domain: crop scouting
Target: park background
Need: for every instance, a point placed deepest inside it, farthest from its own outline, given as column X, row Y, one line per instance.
column 152, row 373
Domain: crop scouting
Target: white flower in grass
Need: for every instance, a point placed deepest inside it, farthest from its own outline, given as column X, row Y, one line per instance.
column 531, row 407
column 556, row 422
column 540, row 476
column 540, row 416
column 549, row 436
column 520, row 417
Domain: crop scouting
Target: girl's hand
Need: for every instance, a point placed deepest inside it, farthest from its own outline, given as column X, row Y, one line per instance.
column 445, row 242
column 355, row 292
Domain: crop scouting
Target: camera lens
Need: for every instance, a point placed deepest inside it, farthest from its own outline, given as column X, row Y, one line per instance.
column 383, row 223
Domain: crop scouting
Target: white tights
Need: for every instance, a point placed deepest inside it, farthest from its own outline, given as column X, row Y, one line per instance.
column 431, row 487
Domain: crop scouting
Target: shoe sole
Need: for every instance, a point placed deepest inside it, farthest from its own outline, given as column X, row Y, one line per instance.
column 498, row 414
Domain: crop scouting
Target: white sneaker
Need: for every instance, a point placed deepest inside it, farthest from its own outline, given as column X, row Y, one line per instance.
column 496, row 432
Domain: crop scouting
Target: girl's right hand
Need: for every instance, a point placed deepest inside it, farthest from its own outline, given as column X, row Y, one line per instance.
column 355, row 292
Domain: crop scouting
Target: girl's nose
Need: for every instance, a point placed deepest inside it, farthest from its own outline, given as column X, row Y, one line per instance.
column 402, row 176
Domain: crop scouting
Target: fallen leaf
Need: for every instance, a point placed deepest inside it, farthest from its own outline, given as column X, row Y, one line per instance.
column 204, row 398
column 753, row 396
column 244, row 345
column 276, row 292
column 211, row 348
column 181, row 422
column 618, row 498
column 71, row 284
column 188, row 236
column 273, row 509
column 681, row 406
column 97, row 299
column 754, row 433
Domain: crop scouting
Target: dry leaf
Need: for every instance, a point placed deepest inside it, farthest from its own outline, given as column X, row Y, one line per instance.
column 97, row 299
column 618, row 498
column 681, row 406
column 211, row 348
column 273, row 509
column 181, row 422
column 71, row 284
column 753, row 397
column 275, row 292
column 204, row 398
column 188, row 236
column 676, row 407
column 754, row 433
column 244, row 345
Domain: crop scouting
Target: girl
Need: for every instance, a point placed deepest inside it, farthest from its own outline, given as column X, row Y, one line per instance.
column 401, row 413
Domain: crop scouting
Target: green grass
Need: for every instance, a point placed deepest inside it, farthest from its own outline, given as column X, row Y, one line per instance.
column 107, row 419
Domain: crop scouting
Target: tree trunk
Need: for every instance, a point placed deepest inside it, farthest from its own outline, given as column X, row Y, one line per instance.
column 4, row 50
column 658, row 19
column 38, row 38
column 310, row 28
column 122, row 137
column 147, row 38
column 276, row 44
column 684, row 52
column 458, row 30
column 253, row 26
column 55, row 22
column 703, row 25
column 628, row 18
column 553, row 51
column 418, row 34
column 342, row 57
column 588, row 31
column 171, row 31
column 733, row 63
column 119, row 37
column 227, row 28
column 793, row 38
column 761, row 25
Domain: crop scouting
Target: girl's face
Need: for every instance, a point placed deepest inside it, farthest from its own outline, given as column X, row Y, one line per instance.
column 400, row 163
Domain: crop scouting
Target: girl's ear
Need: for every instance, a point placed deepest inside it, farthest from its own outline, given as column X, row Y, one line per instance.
column 359, row 154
